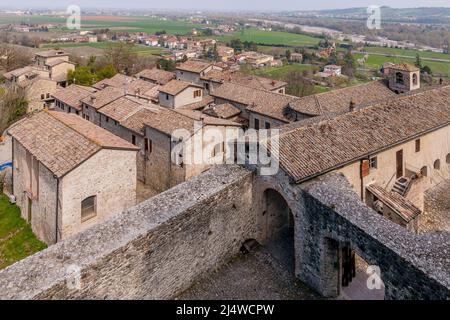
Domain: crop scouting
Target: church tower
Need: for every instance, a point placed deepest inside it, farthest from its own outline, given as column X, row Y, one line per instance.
column 404, row 78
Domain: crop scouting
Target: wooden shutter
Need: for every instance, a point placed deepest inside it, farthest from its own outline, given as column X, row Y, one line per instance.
column 365, row 168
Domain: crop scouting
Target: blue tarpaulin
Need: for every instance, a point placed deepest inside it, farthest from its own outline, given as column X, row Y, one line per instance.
column 5, row 165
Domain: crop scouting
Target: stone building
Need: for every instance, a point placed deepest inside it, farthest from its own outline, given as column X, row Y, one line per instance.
column 156, row 76
column 39, row 81
column 192, row 70
column 399, row 145
column 214, row 78
column 404, row 78
column 69, row 174
column 176, row 94
column 69, row 99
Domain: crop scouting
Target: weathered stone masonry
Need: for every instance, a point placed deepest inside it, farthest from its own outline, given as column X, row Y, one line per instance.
column 160, row 247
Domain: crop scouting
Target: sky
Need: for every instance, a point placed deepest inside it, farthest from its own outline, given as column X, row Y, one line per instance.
column 225, row 4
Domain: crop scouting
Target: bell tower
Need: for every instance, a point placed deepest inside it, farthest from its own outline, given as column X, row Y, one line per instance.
column 404, row 78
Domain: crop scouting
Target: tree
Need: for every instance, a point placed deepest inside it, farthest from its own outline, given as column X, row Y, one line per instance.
column 427, row 70
column 349, row 67
column 418, row 62
column 236, row 44
column 297, row 85
column 288, row 54
column 13, row 106
column 13, row 58
column 106, row 72
column 82, row 76
column 167, row 65
column 121, row 56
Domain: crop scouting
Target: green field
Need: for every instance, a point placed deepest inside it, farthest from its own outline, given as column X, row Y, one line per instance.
column 376, row 62
column 129, row 24
column 407, row 52
column 281, row 72
column 17, row 241
column 139, row 49
column 271, row 38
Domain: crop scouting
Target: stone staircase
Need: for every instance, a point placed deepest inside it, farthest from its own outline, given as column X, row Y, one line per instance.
column 401, row 186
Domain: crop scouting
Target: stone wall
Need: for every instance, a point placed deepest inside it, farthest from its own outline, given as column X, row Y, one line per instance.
column 154, row 250
column 436, row 215
column 331, row 216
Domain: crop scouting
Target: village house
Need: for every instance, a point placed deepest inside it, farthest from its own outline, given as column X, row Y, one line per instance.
column 156, row 76
column 214, row 78
column 39, row 81
column 69, row 99
column 57, row 180
column 296, row 57
column 225, row 53
column 96, row 100
column 176, row 94
column 391, row 152
column 193, row 70
column 255, row 59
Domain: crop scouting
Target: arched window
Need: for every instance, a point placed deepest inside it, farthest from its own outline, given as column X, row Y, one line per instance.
column 447, row 159
column 437, row 164
column 88, row 208
column 414, row 78
column 424, row 171
column 399, row 78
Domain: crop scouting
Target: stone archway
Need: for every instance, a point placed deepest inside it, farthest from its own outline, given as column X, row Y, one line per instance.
column 278, row 228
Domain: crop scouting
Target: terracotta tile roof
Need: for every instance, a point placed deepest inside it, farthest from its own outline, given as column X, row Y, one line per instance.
column 57, row 61
column 156, row 75
column 260, row 101
column 199, row 105
column 207, row 120
column 404, row 67
column 399, row 204
column 62, row 141
column 18, row 72
column 176, row 86
column 118, row 81
column 339, row 100
column 314, row 149
column 194, row 65
column 246, row 80
column 73, row 94
column 51, row 53
column 224, row 111
column 121, row 108
column 103, row 97
column 167, row 120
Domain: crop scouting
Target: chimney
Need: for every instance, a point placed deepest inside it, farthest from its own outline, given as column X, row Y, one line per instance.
column 92, row 99
column 273, row 83
column 351, row 106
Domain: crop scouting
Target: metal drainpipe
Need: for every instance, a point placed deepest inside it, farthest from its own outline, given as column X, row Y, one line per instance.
column 57, row 208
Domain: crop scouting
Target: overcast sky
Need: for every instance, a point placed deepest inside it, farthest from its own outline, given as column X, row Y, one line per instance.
column 225, row 4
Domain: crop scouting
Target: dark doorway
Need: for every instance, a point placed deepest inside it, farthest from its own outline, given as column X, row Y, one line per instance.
column 399, row 157
column 278, row 228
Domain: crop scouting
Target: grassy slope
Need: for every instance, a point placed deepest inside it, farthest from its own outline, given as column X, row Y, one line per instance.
column 139, row 49
column 17, row 241
column 271, row 37
column 375, row 62
column 410, row 53
column 281, row 72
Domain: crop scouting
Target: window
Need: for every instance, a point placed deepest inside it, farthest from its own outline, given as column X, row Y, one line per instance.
column 167, row 96
column 373, row 163
column 48, row 95
column 86, row 117
column 267, row 125
column 206, row 86
column 437, row 164
column 399, row 78
column 424, row 171
column 148, row 145
column 115, row 122
column 414, row 78
column 197, row 93
column 133, row 139
column 447, row 159
column 88, row 208
column 42, row 96
column 417, row 145
column 257, row 124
